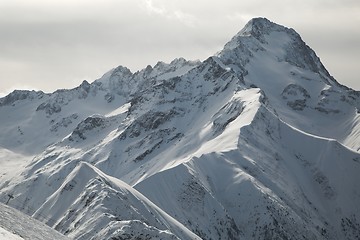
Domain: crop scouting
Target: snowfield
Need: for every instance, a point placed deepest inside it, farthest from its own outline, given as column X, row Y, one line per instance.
column 256, row 142
column 4, row 234
column 15, row 225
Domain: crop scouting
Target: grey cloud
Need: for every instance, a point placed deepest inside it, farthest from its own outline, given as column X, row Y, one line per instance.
column 67, row 41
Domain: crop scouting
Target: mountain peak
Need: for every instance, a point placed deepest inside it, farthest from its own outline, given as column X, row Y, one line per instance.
column 281, row 43
column 261, row 23
column 258, row 27
column 258, row 24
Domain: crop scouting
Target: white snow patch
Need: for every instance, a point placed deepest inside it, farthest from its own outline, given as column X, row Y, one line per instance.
column 6, row 235
column 123, row 109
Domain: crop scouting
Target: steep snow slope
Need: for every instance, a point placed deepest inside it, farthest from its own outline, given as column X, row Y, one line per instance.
column 4, row 234
column 46, row 117
column 28, row 115
column 257, row 142
column 274, row 185
column 275, row 59
column 90, row 205
column 86, row 193
column 12, row 164
column 17, row 225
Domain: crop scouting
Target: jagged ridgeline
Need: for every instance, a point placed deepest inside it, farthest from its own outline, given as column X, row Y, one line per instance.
column 256, row 142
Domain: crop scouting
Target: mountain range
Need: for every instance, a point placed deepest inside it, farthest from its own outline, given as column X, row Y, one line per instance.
column 258, row 141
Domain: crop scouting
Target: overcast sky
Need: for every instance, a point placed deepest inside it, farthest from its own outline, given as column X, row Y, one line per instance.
column 51, row 44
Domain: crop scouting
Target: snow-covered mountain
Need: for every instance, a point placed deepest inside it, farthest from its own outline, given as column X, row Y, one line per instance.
column 256, row 142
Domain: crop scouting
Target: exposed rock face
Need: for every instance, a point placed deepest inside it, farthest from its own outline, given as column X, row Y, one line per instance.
column 296, row 96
